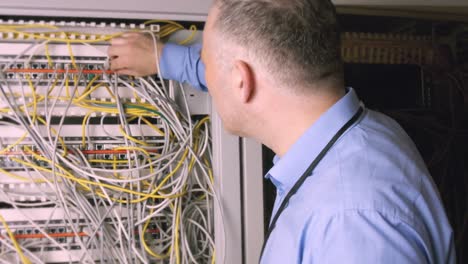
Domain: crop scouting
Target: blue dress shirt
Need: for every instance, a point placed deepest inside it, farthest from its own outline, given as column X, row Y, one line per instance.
column 370, row 200
column 183, row 64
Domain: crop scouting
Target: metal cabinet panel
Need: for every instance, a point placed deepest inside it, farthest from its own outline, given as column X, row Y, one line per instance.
column 193, row 10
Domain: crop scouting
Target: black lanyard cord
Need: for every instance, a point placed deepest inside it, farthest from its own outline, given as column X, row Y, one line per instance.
column 308, row 172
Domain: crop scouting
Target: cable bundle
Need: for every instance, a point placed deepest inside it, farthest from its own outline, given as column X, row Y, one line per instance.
column 128, row 197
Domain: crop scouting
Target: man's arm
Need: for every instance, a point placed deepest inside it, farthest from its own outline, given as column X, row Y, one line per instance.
column 183, row 64
column 135, row 54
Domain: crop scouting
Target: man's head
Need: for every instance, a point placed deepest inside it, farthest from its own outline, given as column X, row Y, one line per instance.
column 292, row 44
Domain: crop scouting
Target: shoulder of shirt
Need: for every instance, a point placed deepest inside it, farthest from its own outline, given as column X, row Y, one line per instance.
column 373, row 168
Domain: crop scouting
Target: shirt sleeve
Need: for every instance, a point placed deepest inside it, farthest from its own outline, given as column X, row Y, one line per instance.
column 363, row 237
column 183, row 64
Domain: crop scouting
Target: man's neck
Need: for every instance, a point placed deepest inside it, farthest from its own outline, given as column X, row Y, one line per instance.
column 291, row 118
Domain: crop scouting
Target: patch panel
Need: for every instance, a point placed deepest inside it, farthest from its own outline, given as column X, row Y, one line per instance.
column 373, row 48
column 51, row 224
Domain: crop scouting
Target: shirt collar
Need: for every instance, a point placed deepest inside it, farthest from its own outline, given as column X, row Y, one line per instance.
column 289, row 168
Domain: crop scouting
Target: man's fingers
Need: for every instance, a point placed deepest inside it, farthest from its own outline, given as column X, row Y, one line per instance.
column 113, row 51
column 114, row 65
column 126, row 72
column 130, row 34
column 119, row 40
column 116, row 51
column 119, row 63
column 126, row 38
column 120, row 50
column 132, row 54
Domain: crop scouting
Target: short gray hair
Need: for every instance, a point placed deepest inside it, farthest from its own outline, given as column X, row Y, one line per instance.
column 298, row 40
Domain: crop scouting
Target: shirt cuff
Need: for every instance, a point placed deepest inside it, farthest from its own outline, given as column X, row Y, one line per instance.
column 183, row 64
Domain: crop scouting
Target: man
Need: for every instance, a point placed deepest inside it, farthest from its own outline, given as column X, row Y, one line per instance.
column 351, row 186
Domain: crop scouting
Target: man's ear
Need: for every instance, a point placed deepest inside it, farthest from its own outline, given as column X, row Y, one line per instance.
column 243, row 81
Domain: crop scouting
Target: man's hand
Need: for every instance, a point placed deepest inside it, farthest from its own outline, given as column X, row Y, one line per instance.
column 134, row 54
